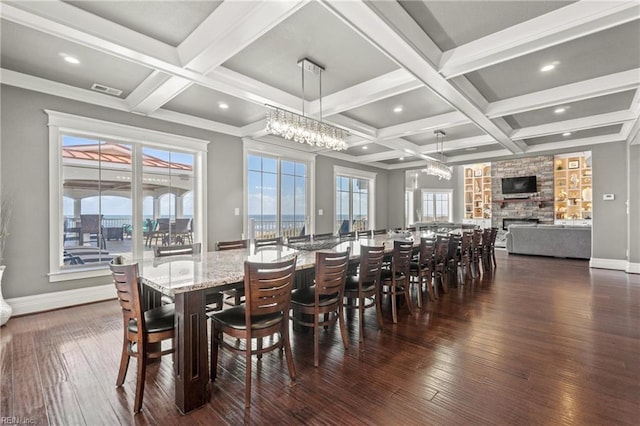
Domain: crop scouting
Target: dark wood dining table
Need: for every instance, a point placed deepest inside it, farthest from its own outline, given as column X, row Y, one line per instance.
column 188, row 279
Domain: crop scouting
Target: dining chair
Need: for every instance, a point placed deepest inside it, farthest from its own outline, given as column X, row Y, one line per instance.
column 453, row 259
column 347, row 236
column 440, row 264
column 422, row 270
column 476, row 252
column 299, row 239
column 324, row 298
column 161, row 232
column 494, row 235
column 363, row 234
column 320, row 237
column 267, row 242
column 143, row 330
column 464, row 260
column 365, row 285
column 233, row 296
column 267, row 287
column 175, row 250
column 394, row 281
column 379, row 232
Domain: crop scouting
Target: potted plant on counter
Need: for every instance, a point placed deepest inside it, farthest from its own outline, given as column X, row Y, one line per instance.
column 5, row 214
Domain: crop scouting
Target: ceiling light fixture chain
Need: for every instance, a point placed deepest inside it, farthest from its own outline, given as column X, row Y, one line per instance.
column 302, row 129
column 438, row 167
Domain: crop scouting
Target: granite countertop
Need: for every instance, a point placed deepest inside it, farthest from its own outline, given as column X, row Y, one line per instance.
column 225, row 269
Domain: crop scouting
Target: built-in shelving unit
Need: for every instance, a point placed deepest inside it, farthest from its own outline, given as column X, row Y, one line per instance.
column 572, row 188
column 477, row 191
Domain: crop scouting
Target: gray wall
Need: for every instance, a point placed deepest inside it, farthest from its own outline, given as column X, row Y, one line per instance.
column 610, row 233
column 325, row 197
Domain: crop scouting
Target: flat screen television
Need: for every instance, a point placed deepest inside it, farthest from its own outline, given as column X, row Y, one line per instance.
column 519, row 185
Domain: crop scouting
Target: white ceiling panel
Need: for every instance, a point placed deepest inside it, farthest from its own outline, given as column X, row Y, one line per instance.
column 606, row 52
column 167, row 21
column 31, row 52
column 315, row 33
column 580, row 134
column 453, row 133
column 586, row 108
column 415, row 104
column 454, row 23
column 205, row 103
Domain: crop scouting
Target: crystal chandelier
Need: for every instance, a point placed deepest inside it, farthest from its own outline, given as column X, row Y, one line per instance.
column 298, row 128
column 438, row 167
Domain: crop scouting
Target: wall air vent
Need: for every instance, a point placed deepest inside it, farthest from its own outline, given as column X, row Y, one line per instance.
column 106, row 89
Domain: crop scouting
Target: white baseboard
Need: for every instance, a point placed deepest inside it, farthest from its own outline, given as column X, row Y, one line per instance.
column 60, row 299
column 617, row 264
column 633, row 268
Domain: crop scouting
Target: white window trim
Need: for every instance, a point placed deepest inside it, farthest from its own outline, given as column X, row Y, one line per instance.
column 60, row 123
column 252, row 146
column 360, row 174
column 447, row 190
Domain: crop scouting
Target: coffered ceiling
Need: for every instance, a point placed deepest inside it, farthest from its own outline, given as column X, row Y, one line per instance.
column 395, row 71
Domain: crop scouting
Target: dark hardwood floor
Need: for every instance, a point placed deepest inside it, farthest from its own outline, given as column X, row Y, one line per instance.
column 542, row 341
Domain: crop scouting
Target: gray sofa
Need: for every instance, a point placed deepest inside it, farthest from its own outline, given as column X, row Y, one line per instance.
column 550, row 240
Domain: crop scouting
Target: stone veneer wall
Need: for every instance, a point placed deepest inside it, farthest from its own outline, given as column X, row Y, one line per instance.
column 542, row 168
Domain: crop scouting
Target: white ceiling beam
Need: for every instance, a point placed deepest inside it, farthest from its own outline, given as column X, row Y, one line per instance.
column 556, row 27
column 230, row 28
column 396, row 42
column 574, row 125
column 352, row 159
column 479, row 157
column 448, row 119
column 381, row 87
column 574, row 143
column 407, row 165
column 193, row 121
column 595, row 87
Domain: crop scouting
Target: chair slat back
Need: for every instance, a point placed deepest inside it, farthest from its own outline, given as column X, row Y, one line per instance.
column 401, row 261
column 425, row 258
column 265, row 242
column 327, row 236
column 494, row 234
column 454, row 244
column 176, row 250
column 379, row 232
column 331, row 273
column 486, row 238
column 441, row 250
column 125, row 279
column 346, row 236
column 476, row 241
column 465, row 243
column 299, row 239
column 182, row 226
column 268, row 286
column 232, row 245
column 371, row 258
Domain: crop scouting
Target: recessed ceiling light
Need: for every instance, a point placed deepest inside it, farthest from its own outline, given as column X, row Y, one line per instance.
column 566, row 134
column 70, row 59
column 365, row 147
column 401, row 158
column 548, row 67
column 560, row 110
column 398, row 109
column 223, row 105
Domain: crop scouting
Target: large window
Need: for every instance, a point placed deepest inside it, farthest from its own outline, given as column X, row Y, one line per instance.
column 278, row 192
column 354, row 191
column 119, row 190
column 436, row 205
